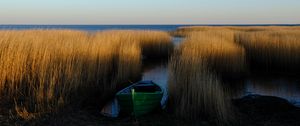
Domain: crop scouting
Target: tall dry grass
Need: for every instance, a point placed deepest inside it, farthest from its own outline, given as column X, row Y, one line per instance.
column 44, row 70
column 196, row 91
column 219, row 49
column 154, row 44
column 186, row 30
column 195, row 86
column 272, row 50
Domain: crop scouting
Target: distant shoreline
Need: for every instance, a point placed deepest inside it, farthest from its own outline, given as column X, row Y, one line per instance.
column 85, row 27
column 149, row 24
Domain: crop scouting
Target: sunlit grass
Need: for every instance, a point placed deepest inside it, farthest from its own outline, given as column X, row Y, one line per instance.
column 44, row 70
column 185, row 31
column 154, row 44
column 272, row 50
column 208, row 53
column 219, row 50
column 195, row 88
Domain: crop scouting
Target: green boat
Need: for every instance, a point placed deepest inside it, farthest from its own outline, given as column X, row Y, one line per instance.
column 140, row 98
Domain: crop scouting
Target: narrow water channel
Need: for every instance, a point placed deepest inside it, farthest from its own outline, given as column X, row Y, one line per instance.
column 157, row 71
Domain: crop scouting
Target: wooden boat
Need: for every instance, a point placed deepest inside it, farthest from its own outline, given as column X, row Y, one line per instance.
column 140, row 98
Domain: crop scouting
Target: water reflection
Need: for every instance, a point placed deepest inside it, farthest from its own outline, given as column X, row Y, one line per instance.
column 280, row 86
column 288, row 88
column 284, row 87
column 177, row 40
column 157, row 72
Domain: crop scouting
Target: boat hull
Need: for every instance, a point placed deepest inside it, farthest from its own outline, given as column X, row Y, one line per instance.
column 142, row 102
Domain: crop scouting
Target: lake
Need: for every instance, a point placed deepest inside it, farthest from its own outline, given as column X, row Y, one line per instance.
column 93, row 27
column 115, row 27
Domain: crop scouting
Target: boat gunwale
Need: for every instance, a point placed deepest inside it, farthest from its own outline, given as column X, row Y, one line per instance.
column 157, row 92
column 146, row 93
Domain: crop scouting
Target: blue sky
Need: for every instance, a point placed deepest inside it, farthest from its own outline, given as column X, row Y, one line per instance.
column 150, row 12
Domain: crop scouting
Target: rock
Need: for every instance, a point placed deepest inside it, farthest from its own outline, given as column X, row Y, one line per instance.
column 265, row 105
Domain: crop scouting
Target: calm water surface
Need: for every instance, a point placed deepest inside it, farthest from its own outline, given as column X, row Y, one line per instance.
column 92, row 27
column 110, row 27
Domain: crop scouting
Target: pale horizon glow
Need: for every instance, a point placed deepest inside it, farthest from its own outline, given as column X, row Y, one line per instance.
column 149, row 12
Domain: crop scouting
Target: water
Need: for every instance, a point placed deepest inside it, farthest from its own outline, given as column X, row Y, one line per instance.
column 92, row 27
column 177, row 40
column 157, row 72
column 115, row 27
column 284, row 87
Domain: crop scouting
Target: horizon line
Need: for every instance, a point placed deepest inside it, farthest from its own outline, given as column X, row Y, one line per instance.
column 171, row 24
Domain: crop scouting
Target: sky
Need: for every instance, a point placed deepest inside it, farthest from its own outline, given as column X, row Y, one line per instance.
column 150, row 12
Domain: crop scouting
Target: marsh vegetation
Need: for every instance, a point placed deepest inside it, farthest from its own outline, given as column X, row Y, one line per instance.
column 47, row 71
column 211, row 57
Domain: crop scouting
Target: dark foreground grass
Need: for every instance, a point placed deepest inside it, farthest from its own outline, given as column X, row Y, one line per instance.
column 260, row 111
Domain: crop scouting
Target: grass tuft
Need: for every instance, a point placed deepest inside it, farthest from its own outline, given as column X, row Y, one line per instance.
column 196, row 91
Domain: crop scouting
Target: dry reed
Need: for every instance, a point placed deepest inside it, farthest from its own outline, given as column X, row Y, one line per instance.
column 44, row 70
column 195, row 88
column 185, row 31
column 195, row 92
column 222, row 54
column 154, row 44
column 272, row 50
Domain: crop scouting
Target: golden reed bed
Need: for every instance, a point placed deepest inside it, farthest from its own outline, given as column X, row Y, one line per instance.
column 199, row 64
column 184, row 31
column 195, row 89
column 44, row 70
column 272, row 50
